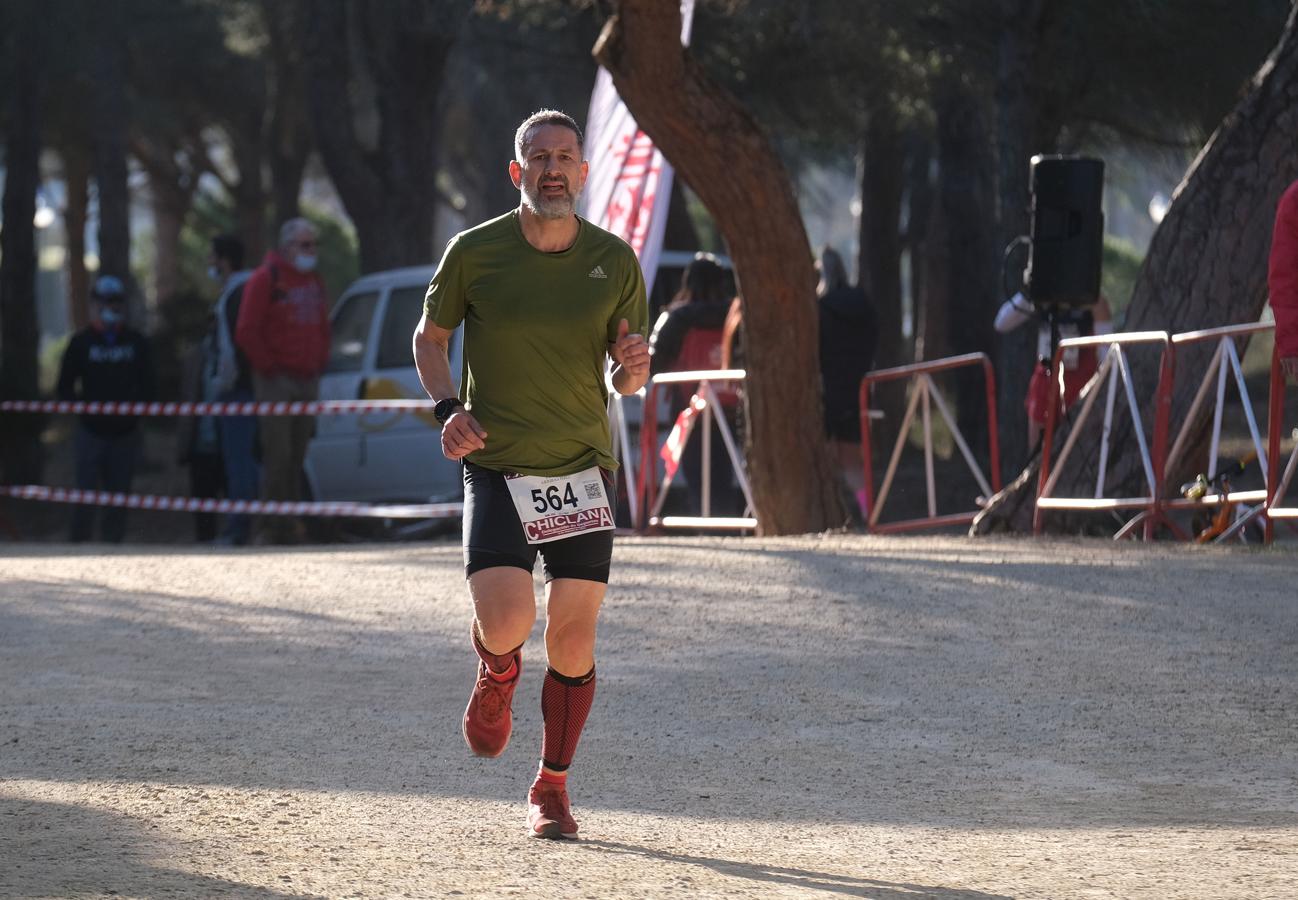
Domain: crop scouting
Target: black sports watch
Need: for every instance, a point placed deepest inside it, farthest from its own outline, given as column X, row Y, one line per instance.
column 446, row 408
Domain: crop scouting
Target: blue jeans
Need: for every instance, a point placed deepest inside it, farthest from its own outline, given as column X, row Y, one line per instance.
column 242, row 474
column 103, row 464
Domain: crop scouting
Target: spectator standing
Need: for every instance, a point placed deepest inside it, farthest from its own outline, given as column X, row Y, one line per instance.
column 688, row 337
column 107, row 360
column 231, row 381
column 848, row 335
column 1282, row 281
column 283, row 328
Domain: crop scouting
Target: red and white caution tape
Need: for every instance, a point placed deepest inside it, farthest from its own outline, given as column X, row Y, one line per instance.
column 312, row 408
column 255, row 507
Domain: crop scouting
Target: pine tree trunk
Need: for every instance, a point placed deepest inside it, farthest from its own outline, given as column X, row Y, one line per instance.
column 726, row 158
column 169, row 209
column 881, row 168
column 379, row 152
column 1015, row 130
column 1206, row 267
column 290, row 124
column 931, row 332
column 880, row 178
column 250, row 197
column 76, row 175
column 919, row 222
column 20, row 449
column 171, row 194
column 966, row 195
column 286, row 174
column 110, row 115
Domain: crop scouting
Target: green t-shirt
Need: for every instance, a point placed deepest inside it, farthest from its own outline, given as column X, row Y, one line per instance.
column 537, row 328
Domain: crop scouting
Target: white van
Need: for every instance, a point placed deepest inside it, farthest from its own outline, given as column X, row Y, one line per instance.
column 380, row 457
column 394, row 457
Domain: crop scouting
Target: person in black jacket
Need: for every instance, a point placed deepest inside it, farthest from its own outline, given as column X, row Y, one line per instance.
column 848, row 335
column 106, row 361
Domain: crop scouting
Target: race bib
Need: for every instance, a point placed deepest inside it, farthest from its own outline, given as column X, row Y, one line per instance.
column 559, row 506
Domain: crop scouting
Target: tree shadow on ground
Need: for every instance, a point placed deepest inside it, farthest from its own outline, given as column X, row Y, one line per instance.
column 112, row 857
column 919, row 708
column 1091, row 688
column 830, row 882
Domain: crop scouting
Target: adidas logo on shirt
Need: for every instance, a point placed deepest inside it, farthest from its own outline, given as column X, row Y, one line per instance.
column 597, row 272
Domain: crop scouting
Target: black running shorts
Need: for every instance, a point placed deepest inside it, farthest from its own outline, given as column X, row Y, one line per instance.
column 493, row 534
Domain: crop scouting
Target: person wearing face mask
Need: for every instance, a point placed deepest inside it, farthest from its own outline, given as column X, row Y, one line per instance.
column 283, row 330
column 108, row 360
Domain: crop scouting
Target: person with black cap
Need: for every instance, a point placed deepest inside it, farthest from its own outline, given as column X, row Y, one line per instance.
column 106, row 361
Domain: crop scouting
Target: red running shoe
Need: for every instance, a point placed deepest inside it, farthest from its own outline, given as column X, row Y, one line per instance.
column 488, row 719
column 548, row 814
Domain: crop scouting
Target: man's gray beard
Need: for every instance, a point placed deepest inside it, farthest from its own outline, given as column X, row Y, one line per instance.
column 547, row 208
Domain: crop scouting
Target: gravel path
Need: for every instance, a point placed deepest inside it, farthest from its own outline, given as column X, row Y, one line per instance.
column 861, row 717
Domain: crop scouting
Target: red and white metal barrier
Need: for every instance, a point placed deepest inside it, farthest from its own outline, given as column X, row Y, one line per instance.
column 623, row 450
column 251, row 408
column 213, row 505
column 1277, row 483
column 1158, row 459
column 1275, row 508
column 1112, row 369
column 926, row 392
column 652, row 497
column 253, row 507
column 1225, row 362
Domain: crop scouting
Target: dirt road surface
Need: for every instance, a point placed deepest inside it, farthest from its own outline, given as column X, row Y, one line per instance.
column 816, row 717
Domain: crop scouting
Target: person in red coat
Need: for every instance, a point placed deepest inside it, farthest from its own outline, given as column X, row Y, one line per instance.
column 1282, row 281
column 283, row 330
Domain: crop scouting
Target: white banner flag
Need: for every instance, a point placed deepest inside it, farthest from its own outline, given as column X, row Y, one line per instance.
column 630, row 184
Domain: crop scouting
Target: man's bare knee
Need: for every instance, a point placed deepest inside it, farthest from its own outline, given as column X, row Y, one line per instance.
column 572, row 609
column 504, row 606
column 570, row 641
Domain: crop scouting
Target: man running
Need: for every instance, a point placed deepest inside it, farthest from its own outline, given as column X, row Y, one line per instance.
column 544, row 297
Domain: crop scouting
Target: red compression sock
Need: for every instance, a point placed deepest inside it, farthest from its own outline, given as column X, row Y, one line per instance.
column 565, row 703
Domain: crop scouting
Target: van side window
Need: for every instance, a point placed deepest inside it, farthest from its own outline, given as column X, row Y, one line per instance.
column 351, row 332
column 405, row 306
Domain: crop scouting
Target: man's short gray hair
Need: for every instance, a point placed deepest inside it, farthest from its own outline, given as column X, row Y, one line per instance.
column 292, row 228
column 544, row 117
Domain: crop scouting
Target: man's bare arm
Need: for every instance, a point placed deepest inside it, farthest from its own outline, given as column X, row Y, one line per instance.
column 432, row 359
column 461, row 434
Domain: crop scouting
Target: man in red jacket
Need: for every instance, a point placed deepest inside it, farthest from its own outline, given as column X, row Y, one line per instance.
column 283, row 330
column 1282, row 280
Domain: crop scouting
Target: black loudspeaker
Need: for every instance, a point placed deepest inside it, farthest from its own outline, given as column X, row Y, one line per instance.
column 1067, row 232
